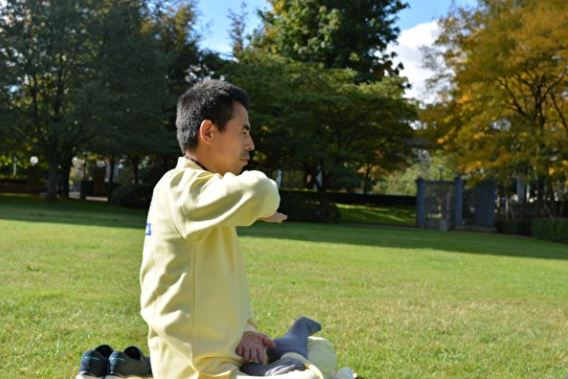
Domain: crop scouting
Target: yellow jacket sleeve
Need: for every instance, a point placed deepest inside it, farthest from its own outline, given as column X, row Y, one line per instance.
column 251, row 325
column 202, row 200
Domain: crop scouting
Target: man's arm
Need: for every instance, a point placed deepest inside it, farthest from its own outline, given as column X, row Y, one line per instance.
column 203, row 201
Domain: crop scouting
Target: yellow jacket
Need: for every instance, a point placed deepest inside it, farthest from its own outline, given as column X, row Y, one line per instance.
column 194, row 292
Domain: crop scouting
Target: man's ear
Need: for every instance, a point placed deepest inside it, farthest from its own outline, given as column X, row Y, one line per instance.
column 207, row 132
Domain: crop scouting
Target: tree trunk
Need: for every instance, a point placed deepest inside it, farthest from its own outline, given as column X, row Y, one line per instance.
column 135, row 169
column 52, row 181
column 366, row 181
column 550, row 201
column 64, row 184
column 322, row 190
column 540, row 198
column 507, row 210
column 111, row 178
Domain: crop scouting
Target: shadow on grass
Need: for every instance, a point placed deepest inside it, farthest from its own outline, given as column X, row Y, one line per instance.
column 412, row 238
column 74, row 212
column 68, row 211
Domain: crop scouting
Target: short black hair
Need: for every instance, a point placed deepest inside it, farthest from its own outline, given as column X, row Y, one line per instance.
column 207, row 100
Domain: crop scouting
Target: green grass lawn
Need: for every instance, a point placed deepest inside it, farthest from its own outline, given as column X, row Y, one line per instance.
column 397, row 303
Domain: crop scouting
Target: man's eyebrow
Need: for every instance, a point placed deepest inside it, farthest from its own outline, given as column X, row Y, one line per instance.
column 246, row 127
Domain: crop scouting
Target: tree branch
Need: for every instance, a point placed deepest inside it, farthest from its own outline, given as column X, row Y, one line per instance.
column 516, row 106
column 559, row 111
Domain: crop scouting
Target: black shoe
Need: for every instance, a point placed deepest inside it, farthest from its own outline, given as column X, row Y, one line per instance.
column 130, row 363
column 94, row 363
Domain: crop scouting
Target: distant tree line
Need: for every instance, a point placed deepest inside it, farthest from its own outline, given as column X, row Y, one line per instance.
column 101, row 77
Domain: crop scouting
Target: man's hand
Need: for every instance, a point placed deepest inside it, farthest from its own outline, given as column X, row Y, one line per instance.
column 253, row 347
column 275, row 218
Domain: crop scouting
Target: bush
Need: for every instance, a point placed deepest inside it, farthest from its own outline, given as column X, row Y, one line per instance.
column 358, row 198
column 300, row 207
column 132, row 195
column 551, row 229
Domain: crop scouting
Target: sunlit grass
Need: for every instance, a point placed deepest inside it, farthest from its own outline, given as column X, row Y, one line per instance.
column 396, row 303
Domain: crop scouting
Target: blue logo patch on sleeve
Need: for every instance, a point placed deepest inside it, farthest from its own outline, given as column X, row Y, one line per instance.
column 149, row 229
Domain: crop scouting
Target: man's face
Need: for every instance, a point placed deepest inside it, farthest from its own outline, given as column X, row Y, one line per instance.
column 233, row 145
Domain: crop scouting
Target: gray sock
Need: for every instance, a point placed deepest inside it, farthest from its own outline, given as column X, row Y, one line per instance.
column 296, row 340
column 281, row 366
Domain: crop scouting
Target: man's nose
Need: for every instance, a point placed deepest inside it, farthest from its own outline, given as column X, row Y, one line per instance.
column 250, row 144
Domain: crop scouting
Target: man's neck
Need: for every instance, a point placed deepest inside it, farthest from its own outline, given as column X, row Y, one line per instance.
column 191, row 158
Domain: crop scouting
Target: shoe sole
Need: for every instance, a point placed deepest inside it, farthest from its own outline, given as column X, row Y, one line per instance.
column 85, row 376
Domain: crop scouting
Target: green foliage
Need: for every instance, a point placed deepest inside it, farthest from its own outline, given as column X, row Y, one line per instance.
column 44, row 50
column 133, row 90
column 82, row 75
column 428, row 166
column 551, row 229
column 339, row 34
column 310, row 118
column 178, row 38
column 237, row 31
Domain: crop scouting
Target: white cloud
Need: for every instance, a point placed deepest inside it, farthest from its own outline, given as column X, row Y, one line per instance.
column 408, row 50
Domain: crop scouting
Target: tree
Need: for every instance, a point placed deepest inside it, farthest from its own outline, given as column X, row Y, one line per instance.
column 5, row 114
column 135, row 88
column 317, row 120
column 339, row 34
column 237, row 30
column 504, row 113
column 175, row 27
column 79, row 75
column 46, row 53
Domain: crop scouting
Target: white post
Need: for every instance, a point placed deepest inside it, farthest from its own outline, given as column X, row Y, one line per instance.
column 278, row 178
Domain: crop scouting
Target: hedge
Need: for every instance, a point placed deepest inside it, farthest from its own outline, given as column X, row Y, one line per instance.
column 357, row 198
column 301, row 207
column 551, row 229
column 132, row 195
column 520, row 227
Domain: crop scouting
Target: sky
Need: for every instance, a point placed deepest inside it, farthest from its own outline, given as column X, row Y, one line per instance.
column 417, row 24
